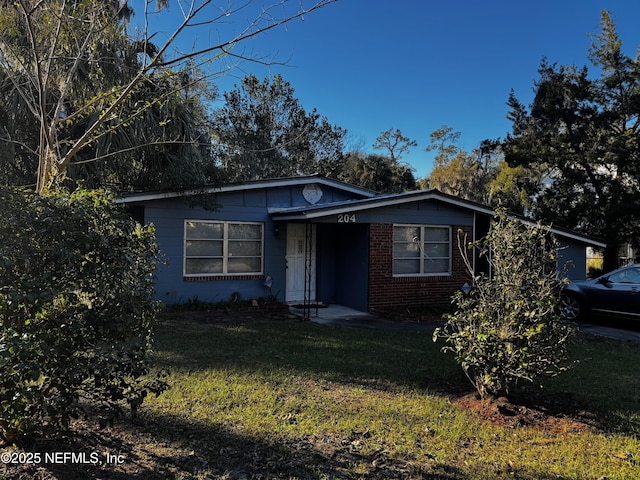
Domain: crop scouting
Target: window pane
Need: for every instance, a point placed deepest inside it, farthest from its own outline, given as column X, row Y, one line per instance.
column 196, row 266
column 436, row 266
column 406, row 267
column 204, row 248
column 403, row 250
column 440, row 250
column 244, row 265
column 432, row 234
column 630, row 275
column 241, row 231
column 406, row 234
column 205, row 230
column 245, row 249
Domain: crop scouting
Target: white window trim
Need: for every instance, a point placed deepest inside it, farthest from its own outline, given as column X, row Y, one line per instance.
column 225, row 249
column 449, row 271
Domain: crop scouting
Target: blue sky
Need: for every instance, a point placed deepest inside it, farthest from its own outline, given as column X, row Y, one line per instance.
column 415, row 65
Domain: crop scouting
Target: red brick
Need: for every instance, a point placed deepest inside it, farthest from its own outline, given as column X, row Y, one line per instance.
column 385, row 290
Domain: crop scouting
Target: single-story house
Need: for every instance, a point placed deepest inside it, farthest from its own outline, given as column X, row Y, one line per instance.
column 314, row 239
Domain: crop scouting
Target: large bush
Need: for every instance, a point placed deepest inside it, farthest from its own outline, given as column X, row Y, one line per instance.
column 508, row 327
column 76, row 308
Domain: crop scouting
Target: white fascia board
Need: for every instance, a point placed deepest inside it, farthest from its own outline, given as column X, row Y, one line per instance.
column 375, row 202
column 592, row 242
column 254, row 185
column 144, row 197
column 370, row 203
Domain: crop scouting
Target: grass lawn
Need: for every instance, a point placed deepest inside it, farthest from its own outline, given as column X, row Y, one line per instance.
column 280, row 398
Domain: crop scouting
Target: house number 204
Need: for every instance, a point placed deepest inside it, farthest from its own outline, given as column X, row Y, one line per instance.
column 347, row 218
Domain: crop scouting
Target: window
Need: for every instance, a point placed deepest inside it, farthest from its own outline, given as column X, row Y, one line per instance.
column 222, row 248
column 421, row 250
column 629, row 275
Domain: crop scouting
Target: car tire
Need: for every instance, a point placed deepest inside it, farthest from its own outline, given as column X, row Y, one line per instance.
column 571, row 307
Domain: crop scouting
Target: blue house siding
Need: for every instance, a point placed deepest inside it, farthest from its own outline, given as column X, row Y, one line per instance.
column 343, row 264
column 352, row 257
column 573, row 258
column 426, row 212
column 169, row 216
column 172, row 287
column 344, row 218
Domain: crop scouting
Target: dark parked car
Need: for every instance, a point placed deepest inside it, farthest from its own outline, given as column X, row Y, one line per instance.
column 616, row 294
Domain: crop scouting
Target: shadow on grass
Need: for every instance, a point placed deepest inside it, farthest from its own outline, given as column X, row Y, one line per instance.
column 172, row 445
column 216, row 452
column 167, row 447
column 222, row 453
column 600, row 390
column 333, row 353
column 603, row 383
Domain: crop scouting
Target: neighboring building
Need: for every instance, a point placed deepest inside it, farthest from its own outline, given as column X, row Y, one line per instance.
column 628, row 254
column 314, row 239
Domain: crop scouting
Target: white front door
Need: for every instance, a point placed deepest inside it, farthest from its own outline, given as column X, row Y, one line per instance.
column 301, row 262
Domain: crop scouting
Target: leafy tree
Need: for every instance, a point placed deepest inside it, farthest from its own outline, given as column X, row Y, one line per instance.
column 377, row 173
column 584, row 133
column 512, row 188
column 262, row 131
column 76, row 308
column 508, row 328
column 91, row 92
column 481, row 175
column 444, row 141
column 455, row 171
column 81, row 99
column 395, row 143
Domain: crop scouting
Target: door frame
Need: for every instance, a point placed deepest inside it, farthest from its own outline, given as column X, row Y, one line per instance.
column 301, row 264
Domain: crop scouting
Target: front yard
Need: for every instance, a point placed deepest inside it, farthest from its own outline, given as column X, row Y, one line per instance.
column 281, row 398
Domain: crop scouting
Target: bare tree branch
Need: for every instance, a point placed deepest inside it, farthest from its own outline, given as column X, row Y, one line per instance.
column 131, row 149
column 59, row 45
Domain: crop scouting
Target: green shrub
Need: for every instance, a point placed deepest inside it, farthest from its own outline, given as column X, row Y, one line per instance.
column 508, row 328
column 76, row 308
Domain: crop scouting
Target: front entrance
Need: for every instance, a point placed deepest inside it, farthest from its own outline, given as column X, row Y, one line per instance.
column 301, row 263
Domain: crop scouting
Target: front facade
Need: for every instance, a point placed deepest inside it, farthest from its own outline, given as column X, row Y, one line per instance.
column 313, row 239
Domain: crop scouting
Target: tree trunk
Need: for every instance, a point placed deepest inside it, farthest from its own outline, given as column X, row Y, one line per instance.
column 610, row 261
column 47, row 168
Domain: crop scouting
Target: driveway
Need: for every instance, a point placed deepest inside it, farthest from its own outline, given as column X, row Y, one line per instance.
column 349, row 317
column 610, row 332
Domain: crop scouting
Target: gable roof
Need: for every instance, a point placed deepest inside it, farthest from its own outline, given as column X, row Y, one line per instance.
column 369, row 200
column 309, row 212
column 312, row 212
column 248, row 185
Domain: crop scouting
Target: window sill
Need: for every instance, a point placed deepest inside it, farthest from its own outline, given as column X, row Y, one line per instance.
column 409, row 278
column 213, row 278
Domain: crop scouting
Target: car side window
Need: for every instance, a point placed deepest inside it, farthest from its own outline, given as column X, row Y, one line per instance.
column 635, row 275
column 630, row 275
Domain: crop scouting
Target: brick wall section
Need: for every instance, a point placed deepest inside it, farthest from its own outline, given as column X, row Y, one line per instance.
column 386, row 291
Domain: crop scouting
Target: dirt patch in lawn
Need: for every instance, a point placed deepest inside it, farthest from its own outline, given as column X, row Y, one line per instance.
column 556, row 416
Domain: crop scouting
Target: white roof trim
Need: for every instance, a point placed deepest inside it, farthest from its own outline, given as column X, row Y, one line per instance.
column 567, row 233
column 251, row 185
column 372, row 200
column 320, row 211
